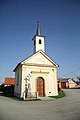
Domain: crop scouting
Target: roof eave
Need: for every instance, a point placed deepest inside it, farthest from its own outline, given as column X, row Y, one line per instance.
column 17, row 67
column 38, row 36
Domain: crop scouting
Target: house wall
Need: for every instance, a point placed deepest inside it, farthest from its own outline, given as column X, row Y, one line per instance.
column 71, row 85
column 63, row 84
column 47, row 73
column 68, row 84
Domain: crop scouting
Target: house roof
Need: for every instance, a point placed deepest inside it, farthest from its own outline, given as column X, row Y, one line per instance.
column 9, row 81
column 63, row 79
column 30, row 57
column 70, row 80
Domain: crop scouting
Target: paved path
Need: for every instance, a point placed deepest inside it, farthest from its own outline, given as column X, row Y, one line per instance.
column 67, row 108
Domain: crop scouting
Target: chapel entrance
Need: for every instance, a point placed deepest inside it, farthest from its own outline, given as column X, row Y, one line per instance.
column 40, row 87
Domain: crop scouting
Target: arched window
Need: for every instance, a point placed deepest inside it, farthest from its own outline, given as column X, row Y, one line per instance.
column 39, row 41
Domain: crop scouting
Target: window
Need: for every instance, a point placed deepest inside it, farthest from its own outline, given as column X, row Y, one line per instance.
column 39, row 41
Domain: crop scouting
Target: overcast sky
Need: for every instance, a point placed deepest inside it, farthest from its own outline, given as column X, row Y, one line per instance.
column 59, row 23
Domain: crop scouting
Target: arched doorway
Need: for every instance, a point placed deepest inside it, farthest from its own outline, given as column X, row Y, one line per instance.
column 40, row 86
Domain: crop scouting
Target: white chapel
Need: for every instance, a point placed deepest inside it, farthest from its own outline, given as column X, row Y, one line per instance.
column 36, row 76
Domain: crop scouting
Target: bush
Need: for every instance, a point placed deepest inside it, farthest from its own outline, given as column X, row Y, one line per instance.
column 60, row 94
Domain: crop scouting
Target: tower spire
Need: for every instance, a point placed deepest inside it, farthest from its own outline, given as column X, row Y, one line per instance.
column 38, row 29
column 38, row 40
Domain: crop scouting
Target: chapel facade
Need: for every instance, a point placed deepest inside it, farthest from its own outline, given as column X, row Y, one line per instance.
column 36, row 76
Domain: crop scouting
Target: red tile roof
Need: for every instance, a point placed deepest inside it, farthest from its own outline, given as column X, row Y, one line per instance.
column 9, row 81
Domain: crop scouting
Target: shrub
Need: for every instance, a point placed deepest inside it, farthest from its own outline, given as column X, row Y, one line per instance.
column 60, row 94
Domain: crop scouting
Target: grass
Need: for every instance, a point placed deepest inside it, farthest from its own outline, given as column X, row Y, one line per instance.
column 61, row 94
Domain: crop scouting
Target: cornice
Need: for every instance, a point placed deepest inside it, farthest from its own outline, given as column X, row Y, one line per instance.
column 39, row 72
column 39, row 65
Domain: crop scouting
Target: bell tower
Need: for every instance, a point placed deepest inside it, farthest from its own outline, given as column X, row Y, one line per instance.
column 38, row 40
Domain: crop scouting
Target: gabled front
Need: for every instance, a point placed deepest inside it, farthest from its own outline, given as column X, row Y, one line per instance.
column 40, row 58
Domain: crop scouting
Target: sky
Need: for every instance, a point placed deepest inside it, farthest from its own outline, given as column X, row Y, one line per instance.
column 59, row 23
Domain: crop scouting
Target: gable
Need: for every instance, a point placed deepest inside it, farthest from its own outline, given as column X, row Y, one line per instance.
column 40, row 58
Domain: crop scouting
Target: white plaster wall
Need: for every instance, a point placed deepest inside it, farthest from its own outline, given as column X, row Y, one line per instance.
column 23, row 81
column 39, row 59
column 49, row 77
column 52, row 83
column 37, row 45
column 55, row 81
column 17, row 89
column 34, row 81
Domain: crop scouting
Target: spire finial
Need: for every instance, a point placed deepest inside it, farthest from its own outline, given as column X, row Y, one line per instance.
column 38, row 28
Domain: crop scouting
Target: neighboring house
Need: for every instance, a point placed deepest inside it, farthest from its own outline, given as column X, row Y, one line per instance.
column 66, row 83
column 9, row 81
column 37, row 74
column 8, row 86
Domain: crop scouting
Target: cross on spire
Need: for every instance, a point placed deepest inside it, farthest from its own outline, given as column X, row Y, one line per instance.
column 38, row 29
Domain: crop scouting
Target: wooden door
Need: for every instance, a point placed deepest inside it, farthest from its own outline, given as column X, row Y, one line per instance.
column 63, row 84
column 40, row 86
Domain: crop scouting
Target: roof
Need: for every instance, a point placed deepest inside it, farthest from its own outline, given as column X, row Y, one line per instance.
column 9, row 81
column 43, row 53
column 38, row 29
column 63, row 79
column 38, row 32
